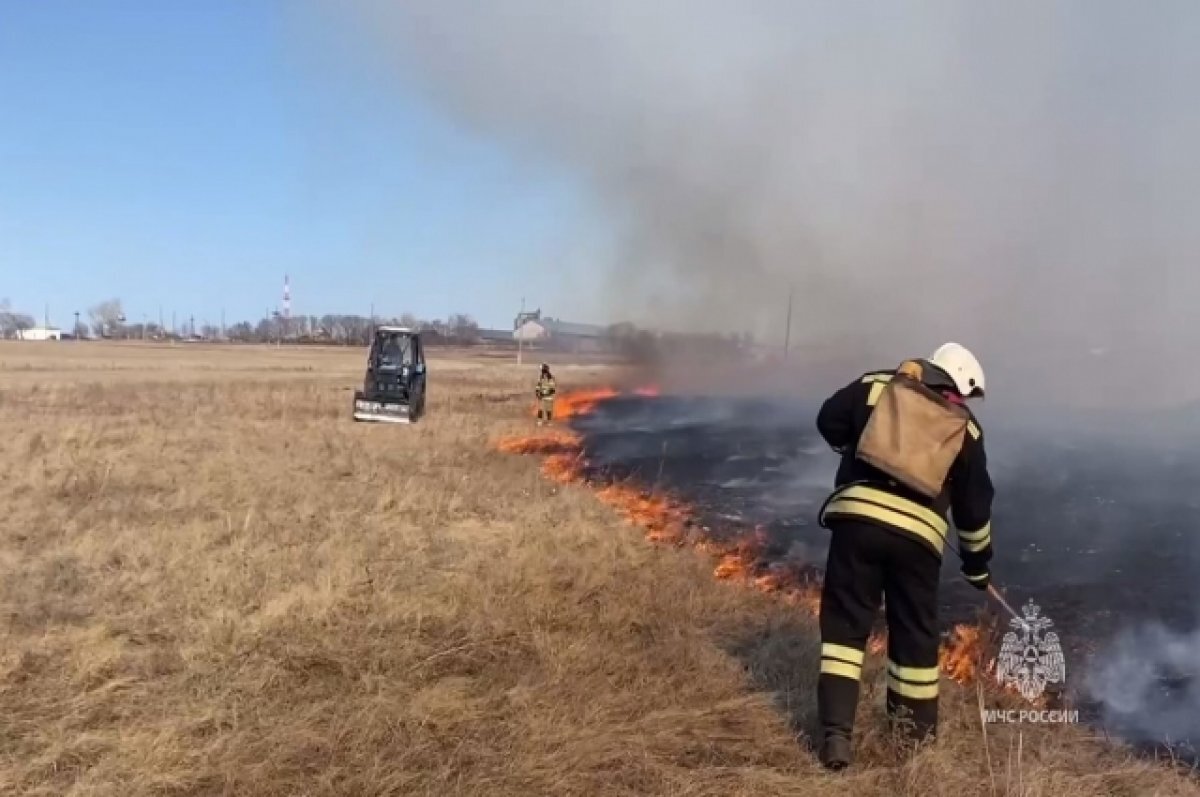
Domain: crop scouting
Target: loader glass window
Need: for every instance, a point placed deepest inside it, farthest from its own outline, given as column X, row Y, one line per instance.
column 396, row 352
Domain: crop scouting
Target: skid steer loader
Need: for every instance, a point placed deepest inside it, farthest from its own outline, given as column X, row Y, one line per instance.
column 394, row 387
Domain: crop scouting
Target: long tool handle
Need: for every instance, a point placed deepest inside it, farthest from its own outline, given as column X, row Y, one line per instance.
column 991, row 589
column 995, row 593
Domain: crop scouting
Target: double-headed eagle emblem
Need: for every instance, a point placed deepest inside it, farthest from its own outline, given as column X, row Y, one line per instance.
column 1033, row 658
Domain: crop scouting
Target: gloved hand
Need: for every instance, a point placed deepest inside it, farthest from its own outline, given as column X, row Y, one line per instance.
column 977, row 575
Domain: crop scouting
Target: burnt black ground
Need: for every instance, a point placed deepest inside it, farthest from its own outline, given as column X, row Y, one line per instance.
column 1092, row 521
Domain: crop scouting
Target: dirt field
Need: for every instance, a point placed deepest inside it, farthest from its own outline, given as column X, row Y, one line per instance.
column 214, row 583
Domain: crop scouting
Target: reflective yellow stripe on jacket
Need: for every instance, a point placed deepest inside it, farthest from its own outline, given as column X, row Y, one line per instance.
column 975, row 541
column 877, row 382
column 870, row 503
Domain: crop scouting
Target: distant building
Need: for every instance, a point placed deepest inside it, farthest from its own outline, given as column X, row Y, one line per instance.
column 528, row 315
column 496, row 335
column 39, row 333
column 562, row 334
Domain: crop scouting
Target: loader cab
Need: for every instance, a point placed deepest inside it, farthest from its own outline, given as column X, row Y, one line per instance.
column 395, row 349
column 394, row 385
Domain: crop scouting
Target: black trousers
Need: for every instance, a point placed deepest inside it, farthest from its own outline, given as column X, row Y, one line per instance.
column 867, row 562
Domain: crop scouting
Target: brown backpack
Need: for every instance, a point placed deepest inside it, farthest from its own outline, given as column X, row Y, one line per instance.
column 914, row 434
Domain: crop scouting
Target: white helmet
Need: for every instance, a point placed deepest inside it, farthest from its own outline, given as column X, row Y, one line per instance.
column 962, row 367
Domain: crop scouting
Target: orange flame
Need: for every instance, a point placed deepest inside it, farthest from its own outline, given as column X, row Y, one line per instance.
column 562, row 468
column 582, row 402
column 665, row 519
column 549, row 442
column 961, row 654
column 571, row 405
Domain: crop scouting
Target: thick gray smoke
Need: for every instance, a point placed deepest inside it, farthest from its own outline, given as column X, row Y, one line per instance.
column 1148, row 681
column 1019, row 176
column 1022, row 177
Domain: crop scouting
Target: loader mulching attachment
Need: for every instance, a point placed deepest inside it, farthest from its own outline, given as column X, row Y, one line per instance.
column 394, row 387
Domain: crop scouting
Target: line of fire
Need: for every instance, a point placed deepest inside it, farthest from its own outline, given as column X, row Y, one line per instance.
column 737, row 483
column 741, row 555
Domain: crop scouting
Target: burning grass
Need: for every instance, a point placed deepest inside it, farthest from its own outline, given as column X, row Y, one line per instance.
column 966, row 653
column 214, row 583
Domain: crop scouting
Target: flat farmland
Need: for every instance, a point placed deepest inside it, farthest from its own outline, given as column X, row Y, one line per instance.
column 213, row 582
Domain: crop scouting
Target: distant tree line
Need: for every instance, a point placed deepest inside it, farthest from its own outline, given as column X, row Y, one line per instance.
column 346, row 330
column 107, row 320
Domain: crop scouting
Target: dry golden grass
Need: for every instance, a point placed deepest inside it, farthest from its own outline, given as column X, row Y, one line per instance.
column 213, row 582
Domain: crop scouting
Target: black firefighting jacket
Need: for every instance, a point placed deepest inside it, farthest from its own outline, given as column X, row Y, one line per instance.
column 865, row 493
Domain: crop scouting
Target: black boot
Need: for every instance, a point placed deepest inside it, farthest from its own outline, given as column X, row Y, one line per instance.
column 835, row 752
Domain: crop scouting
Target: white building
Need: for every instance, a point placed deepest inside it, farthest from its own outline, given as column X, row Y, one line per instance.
column 548, row 328
column 530, row 330
column 562, row 334
column 39, row 333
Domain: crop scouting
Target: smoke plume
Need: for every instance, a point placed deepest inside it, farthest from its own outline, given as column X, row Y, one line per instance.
column 1148, row 682
column 1021, row 177
column 1018, row 176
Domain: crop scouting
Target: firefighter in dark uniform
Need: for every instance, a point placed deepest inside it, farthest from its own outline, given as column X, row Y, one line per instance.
column 545, row 392
column 887, row 539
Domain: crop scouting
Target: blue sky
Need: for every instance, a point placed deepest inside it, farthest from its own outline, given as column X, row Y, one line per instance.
column 188, row 155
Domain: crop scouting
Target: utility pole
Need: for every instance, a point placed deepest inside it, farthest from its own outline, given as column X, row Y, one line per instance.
column 787, row 335
column 520, row 337
column 75, row 332
column 222, row 323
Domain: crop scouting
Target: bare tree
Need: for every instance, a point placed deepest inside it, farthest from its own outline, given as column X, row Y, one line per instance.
column 242, row 331
column 11, row 322
column 462, row 328
column 107, row 317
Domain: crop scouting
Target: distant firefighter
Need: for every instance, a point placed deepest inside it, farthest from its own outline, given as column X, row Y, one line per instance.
column 911, row 451
column 545, row 392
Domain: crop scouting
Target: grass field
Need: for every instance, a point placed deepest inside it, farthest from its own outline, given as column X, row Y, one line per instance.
column 212, row 582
